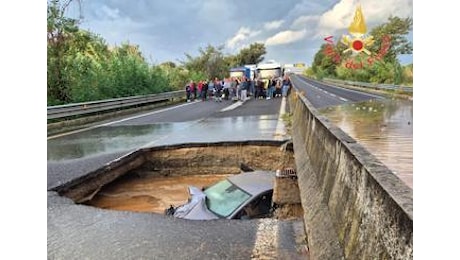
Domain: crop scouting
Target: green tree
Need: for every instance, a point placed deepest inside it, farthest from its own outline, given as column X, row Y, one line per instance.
column 308, row 72
column 385, row 69
column 168, row 64
column 408, row 74
column 324, row 65
column 210, row 62
column 232, row 61
column 59, row 34
column 251, row 55
column 397, row 29
column 82, row 67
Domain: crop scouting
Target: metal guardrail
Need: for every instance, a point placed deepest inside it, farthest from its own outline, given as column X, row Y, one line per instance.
column 370, row 85
column 74, row 109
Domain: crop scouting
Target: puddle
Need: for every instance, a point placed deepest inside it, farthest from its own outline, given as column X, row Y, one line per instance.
column 384, row 128
column 107, row 139
column 151, row 193
column 117, row 138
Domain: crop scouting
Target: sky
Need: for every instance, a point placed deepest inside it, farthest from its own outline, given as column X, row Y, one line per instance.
column 24, row 81
column 292, row 30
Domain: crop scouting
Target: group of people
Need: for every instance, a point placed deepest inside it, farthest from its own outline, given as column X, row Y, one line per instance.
column 237, row 88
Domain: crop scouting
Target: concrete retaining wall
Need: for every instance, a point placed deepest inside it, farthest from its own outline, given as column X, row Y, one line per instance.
column 354, row 206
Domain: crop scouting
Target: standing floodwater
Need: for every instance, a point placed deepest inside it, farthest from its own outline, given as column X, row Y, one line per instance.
column 383, row 127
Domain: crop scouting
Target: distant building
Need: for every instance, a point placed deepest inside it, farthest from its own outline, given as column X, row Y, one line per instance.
column 297, row 68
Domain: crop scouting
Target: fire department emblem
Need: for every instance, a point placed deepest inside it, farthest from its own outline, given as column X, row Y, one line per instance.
column 357, row 42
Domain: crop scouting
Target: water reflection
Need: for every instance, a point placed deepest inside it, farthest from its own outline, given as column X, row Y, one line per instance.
column 384, row 127
column 119, row 138
column 105, row 139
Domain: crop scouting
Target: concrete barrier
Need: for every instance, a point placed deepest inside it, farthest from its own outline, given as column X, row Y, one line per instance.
column 354, row 206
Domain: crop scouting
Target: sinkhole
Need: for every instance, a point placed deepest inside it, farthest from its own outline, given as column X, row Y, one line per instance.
column 157, row 178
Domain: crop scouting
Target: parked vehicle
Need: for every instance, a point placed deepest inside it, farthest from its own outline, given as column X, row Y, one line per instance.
column 248, row 71
column 239, row 72
column 242, row 196
column 269, row 69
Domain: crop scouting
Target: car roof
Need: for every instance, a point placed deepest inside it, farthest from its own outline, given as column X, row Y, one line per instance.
column 255, row 182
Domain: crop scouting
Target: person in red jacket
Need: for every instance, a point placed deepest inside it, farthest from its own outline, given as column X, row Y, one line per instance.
column 193, row 89
column 200, row 89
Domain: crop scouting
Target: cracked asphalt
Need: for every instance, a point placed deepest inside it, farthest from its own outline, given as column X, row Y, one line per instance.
column 84, row 232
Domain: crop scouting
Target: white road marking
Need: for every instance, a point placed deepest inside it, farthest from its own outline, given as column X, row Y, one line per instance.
column 280, row 128
column 337, row 87
column 232, row 106
column 118, row 121
column 333, row 95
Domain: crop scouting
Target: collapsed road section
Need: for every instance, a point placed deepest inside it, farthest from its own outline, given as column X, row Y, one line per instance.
column 149, row 179
column 76, row 230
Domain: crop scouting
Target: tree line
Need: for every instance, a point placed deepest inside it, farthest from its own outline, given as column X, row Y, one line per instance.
column 82, row 67
column 386, row 69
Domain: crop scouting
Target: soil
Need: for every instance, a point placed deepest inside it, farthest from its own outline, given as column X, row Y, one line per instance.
column 150, row 193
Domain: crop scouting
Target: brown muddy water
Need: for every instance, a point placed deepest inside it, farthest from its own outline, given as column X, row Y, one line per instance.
column 151, row 193
column 152, row 179
column 384, row 128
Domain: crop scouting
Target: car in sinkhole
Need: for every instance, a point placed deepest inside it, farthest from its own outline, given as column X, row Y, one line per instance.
column 246, row 195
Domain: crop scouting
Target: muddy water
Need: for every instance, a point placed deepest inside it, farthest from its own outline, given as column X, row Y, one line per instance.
column 150, row 194
column 384, row 128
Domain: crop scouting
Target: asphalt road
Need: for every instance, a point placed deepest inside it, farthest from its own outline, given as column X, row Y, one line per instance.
column 79, row 231
column 75, row 154
column 323, row 95
column 84, row 232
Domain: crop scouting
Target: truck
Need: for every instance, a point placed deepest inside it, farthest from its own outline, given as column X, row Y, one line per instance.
column 248, row 71
column 269, row 69
column 239, row 72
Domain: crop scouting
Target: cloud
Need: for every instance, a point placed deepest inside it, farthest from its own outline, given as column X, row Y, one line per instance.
column 165, row 30
column 305, row 21
column 309, row 7
column 339, row 17
column 273, row 25
column 285, row 37
column 243, row 34
column 110, row 13
column 375, row 12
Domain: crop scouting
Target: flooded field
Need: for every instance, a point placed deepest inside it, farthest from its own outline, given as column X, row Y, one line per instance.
column 384, row 128
column 150, row 194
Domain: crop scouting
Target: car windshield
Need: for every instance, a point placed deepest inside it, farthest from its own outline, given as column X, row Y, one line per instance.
column 224, row 197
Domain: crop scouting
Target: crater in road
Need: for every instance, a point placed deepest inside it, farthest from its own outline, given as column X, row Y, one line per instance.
column 150, row 193
column 152, row 179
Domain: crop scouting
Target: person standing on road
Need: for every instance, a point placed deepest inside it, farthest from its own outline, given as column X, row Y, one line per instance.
column 286, row 85
column 259, row 88
column 211, row 89
column 200, row 89
column 271, row 87
column 218, row 87
column 192, row 89
column 244, row 88
column 233, row 95
column 227, row 88
column 279, row 83
column 204, row 92
column 238, row 88
column 251, row 87
column 188, row 92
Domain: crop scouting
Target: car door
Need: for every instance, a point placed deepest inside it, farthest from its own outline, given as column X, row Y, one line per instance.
column 259, row 207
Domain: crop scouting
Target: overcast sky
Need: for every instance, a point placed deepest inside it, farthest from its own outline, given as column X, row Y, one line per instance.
column 292, row 30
